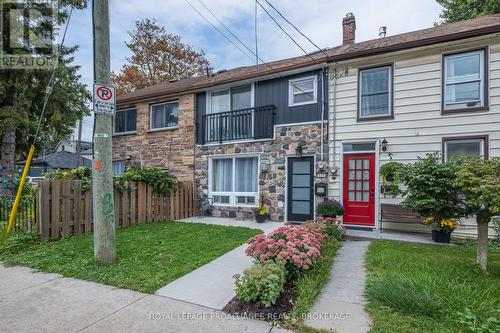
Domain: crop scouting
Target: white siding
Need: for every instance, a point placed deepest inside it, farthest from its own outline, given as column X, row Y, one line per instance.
column 418, row 126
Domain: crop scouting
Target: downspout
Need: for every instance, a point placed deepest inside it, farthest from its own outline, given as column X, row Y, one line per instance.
column 334, row 112
column 322, row 148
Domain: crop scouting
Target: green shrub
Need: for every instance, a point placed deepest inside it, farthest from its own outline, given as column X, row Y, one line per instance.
column 403, row 296
column 17, row 242
column 263, row 282
column 161, row 181
column 330, row 208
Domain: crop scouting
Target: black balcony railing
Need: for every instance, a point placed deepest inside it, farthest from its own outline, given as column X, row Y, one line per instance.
column 251, row 123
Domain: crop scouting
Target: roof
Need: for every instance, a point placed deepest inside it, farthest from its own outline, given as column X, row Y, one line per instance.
column 439, row 34
column 61, row 160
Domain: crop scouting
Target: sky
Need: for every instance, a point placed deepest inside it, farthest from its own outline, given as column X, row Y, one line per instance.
column 320, row 20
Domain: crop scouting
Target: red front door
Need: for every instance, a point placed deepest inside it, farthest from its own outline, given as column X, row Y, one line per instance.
column 359, row 189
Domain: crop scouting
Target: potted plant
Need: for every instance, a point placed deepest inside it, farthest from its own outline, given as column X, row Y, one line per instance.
column 330, row 208
column 261, row 213
column 441, row 228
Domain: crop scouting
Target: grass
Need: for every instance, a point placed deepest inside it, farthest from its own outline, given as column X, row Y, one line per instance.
column 309, row 285
column 148, row 256
column 417, row 288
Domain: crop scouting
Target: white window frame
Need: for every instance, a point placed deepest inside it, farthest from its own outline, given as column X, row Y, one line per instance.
column 463, row 104
column 481, row 141
column 151, row 116
column 233, row 195
column 210, row 92
column 124, row 110
column 314, row 92
column 390, row 92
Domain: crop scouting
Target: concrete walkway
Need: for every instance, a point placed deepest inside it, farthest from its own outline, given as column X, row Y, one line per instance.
column 212, row 285
column 340, row 305
column 407, row 237
column 39, row 302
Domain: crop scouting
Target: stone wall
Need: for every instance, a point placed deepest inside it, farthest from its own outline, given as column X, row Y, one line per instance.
column 170, row 149
column 274, row 152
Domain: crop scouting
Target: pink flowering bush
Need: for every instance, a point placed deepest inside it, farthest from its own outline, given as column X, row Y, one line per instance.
column 329, row 226
column 299, row 246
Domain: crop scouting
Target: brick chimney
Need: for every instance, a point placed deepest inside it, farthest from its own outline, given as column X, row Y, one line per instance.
column 349, row 29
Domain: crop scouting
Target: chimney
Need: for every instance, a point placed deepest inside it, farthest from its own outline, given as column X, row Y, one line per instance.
column 349, row 29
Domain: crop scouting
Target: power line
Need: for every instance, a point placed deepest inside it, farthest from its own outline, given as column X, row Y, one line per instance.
column 50, row 84
column 286, row 33
column 295, row 27
column 250, row 50
column 217, row 29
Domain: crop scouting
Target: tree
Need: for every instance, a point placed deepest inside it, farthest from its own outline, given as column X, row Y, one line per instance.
column 21, row 98
column 157, row 56
column 430, row 188
column 459, row 10
column 478, row 180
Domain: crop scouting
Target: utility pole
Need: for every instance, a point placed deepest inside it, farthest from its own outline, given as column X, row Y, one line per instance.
column 102, row 175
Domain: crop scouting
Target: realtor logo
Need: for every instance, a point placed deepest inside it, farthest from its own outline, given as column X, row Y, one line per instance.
column 28, row 32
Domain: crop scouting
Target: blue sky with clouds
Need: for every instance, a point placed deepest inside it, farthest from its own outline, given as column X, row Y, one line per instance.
column 321, row 20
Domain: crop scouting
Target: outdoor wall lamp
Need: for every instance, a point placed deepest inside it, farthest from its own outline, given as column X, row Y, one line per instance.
column 384, row 145
column 298, row 151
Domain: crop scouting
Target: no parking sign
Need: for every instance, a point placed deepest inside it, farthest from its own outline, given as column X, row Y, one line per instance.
column 104, row 99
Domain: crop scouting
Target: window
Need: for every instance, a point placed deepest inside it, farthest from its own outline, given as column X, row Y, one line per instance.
column 125, row 120
column 118, row 167
column 465, row 146
column 464, row 83
column 369, row 146
column 165, row 115
column 375, row 92
column 302, row 91
column 233, row 180
column 236, row 98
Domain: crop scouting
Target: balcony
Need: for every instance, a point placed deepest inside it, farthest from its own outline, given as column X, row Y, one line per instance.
column 246, row 124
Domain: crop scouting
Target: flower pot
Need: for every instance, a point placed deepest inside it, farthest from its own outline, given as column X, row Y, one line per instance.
column 440, row 236
column 261, row 218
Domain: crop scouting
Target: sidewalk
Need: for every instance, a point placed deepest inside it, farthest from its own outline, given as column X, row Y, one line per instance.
column 340, row 305
column 212, row 285
column 40, row 302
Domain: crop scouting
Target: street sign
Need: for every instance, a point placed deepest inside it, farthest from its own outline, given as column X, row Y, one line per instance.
column 104, row 99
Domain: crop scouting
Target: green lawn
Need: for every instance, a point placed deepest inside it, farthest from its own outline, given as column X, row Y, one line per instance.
column 149, row 255
column 417, row 288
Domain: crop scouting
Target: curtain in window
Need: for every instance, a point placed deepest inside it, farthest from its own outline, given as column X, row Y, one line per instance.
column 375, row 92
column 222, row 175
column 165, row 115
column 246, row 174
column 471, row 148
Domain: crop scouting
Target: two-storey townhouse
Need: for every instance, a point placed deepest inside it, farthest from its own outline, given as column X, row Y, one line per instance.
column 264, row 133
column 398, row 98
column 154, row 126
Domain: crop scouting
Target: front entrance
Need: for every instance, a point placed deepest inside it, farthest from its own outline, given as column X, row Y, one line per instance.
column 300, row 203
column 359, row 189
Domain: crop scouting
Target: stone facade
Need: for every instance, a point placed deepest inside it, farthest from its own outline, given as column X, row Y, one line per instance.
column 169, row 149
column 274, row 153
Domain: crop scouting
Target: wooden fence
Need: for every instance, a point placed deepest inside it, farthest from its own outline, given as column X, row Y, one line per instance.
column 25, row 218
column 64, row 208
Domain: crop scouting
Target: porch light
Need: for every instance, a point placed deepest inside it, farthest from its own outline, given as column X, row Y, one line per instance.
column 384, row 144
column 298, row 151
